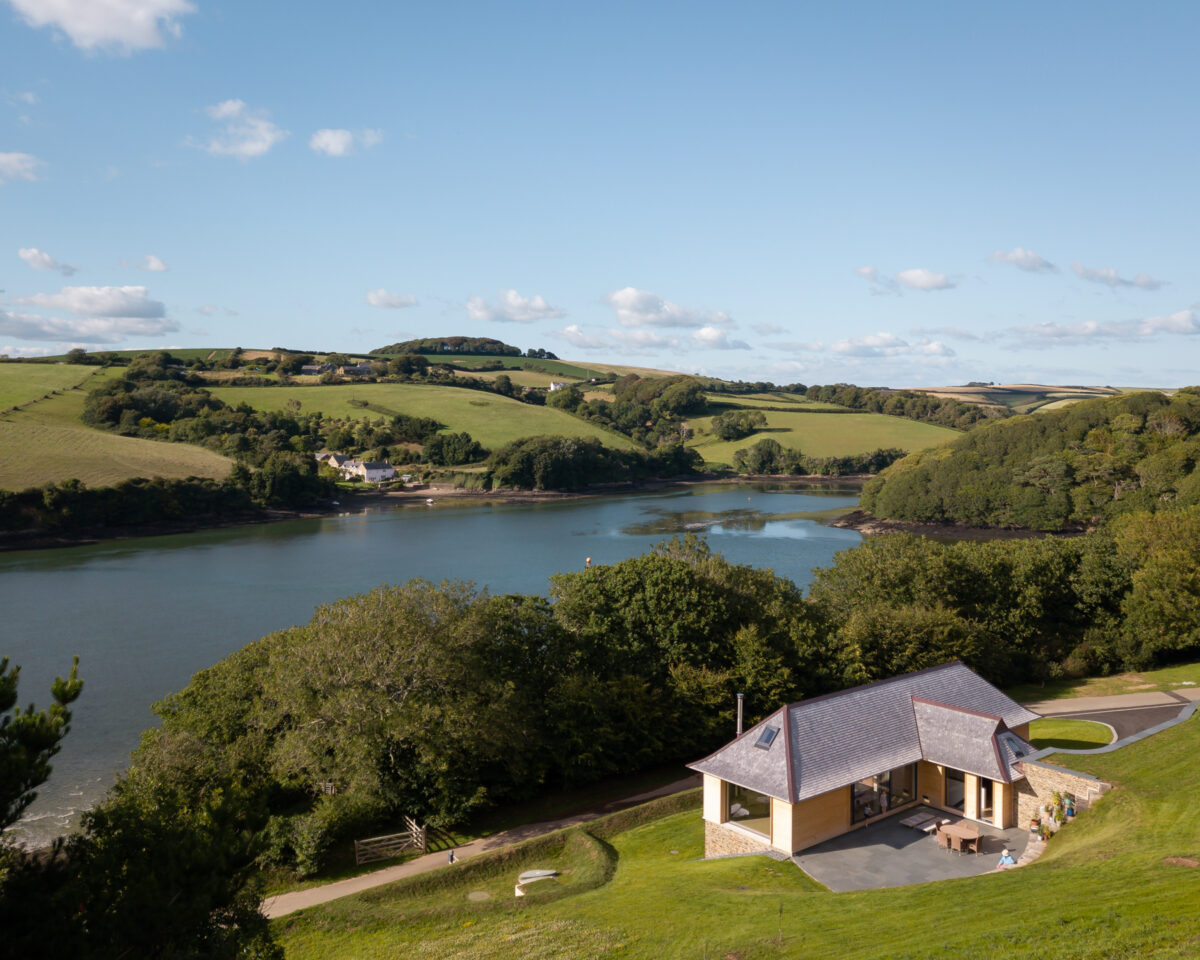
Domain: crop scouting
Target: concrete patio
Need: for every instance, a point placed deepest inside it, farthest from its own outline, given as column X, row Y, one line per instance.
column 886, row 854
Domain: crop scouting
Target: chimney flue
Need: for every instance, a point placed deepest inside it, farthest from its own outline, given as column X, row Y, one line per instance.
column 741, row 700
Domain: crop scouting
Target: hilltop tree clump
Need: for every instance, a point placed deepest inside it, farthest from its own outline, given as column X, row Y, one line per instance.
column 1064, row 469
column 460, row 345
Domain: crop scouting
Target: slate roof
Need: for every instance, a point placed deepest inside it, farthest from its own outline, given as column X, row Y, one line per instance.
column 945, row 712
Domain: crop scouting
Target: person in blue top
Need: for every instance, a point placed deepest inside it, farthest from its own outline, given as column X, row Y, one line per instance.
column 1006, row 860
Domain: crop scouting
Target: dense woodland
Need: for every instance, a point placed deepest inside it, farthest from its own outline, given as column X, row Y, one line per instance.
column 1064, row 469
column 463, row 345
column 942, row 411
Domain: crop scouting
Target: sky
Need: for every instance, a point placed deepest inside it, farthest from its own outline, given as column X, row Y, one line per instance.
column 885, row 194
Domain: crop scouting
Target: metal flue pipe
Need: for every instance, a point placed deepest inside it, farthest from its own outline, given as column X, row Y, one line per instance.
column 741, row 701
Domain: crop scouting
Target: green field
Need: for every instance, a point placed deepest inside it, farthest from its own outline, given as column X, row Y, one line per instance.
column 22, row 382
column 556, row 368
column 824, row 434
column 489, row 418
column 1121, row 881
column 45, row 442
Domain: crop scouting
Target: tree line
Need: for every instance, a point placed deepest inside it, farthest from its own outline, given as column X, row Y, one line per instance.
column 770, row 456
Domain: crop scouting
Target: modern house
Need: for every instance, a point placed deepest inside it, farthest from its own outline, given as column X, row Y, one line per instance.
column 373, row 471
column 558, row 385
column 819, row 768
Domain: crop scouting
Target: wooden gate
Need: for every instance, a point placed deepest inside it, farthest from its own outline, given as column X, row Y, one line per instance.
column 390, row 845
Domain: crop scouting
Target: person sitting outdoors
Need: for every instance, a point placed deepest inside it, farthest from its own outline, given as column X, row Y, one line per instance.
column 1006, row 860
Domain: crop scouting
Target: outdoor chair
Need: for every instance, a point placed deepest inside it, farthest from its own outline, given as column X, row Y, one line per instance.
column 943, row 840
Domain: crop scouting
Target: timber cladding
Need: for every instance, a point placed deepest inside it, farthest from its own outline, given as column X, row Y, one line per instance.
column 820, row 818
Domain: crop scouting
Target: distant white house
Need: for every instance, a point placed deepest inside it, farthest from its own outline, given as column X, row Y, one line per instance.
column 357, row 370
column 558, row 385
column 374, row 471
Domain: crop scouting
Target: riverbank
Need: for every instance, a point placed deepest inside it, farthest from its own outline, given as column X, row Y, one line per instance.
column 868, row 525
column 355, row 501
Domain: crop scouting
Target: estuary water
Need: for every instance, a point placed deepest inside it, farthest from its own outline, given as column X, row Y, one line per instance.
column 144, row 615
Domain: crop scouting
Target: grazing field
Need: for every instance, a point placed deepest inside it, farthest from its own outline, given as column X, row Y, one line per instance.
column 45, row 442
column 522, row 378
column 22, row 382
column 1122, row 880
column 491, row 419
column 824, row 434
column 1021, row 397
column 559, row 369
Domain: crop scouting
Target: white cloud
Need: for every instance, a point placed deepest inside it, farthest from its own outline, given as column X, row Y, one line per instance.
column 918, row 278
column 101, row 315
column 1182, row 322
column 340, row 143
column 41, row 260
column 513, row 308
column 246, row 133
column 1109, row 277
column 8, row 350
column 641, row 308
column 574, row 335
column 1023, row 259
column 873, row 345
column 642, row 341
column 714, row 338
column 18, row 166
column 881, row 286
column 120, row 26
column 389, row 300
column 150, row 262
column 100, row 302
column 958, row 333
column 766, row 329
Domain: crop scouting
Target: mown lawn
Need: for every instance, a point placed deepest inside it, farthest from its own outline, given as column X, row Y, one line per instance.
column 824, row 434
column 22, row 382
column 1066, row 734
column 1119, row 882
column 45, row 442
column 491, row 419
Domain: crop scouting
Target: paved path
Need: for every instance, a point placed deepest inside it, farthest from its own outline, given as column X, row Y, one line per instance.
column 1152, row 698
column 285, row 903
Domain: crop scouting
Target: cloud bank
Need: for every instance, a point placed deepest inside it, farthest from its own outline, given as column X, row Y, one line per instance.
column 513, row 308
column 115, row 26
column 41, row 260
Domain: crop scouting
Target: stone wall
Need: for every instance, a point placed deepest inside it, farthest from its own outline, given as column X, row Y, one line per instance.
column 722, row 841
column 1043, row 779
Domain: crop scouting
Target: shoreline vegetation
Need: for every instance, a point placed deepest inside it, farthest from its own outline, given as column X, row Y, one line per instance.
column 354, row 501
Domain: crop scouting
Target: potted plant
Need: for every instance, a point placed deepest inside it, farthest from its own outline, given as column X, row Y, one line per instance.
column 1044, row 832
column 1035, row 823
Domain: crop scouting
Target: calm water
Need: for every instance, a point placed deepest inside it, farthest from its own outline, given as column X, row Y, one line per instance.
column 144, row 615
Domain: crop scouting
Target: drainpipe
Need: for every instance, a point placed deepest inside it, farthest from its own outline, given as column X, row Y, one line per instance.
column 741, row 700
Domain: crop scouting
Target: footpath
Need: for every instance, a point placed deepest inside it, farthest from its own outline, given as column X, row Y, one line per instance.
column 1120, row 701
column 282, row 904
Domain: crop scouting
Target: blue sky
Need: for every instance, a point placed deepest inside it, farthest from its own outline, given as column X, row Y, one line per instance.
column 885, row 194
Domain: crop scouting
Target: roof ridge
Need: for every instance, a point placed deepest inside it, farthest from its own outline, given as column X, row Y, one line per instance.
column 951, row 706
column 880, row 682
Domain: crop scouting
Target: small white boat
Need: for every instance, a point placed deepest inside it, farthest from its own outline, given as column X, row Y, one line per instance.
column 429, row 499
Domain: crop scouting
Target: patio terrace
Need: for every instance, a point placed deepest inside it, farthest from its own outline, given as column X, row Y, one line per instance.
column 887, row 854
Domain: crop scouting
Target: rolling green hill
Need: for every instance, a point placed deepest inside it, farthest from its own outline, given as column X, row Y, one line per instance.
column 820, row 434
column 491, row 419
column 22, row 382
column 1068, row 467
column 45, row 442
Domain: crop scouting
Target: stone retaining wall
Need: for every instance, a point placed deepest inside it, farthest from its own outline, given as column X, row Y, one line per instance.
column 1043, row 779
column 723, row 841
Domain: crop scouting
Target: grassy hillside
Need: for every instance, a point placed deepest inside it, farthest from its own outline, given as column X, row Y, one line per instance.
column 1021, row 397
column 45, row 442
column 491, row 419
column 823, row 434
column 1121, row 881
column 22, row 382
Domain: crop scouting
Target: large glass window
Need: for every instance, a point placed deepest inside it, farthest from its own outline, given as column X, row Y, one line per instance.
column 875, row 796
column 749, row 809
column 956, row 789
